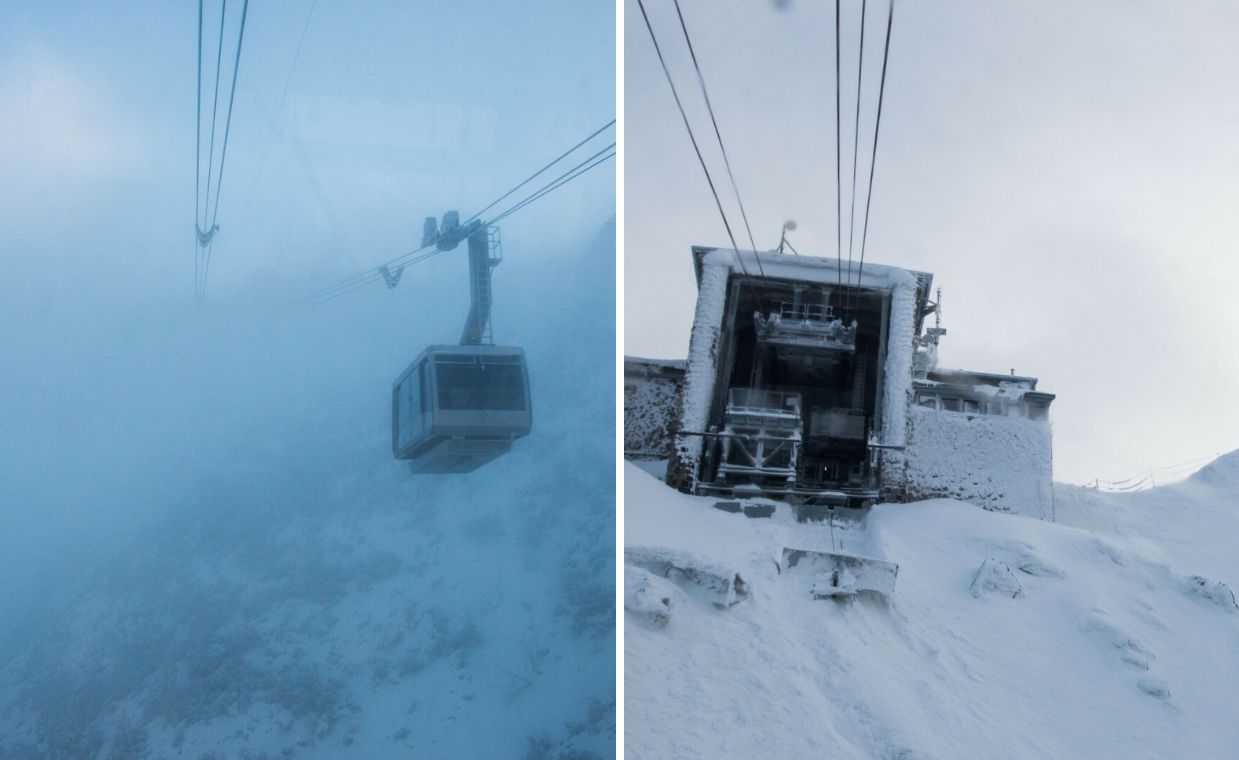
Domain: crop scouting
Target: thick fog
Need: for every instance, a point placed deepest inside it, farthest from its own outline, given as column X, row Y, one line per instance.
column 1066, row 170
column 205, row 545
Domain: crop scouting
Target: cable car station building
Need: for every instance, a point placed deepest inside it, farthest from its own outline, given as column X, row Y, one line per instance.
column 801, row 387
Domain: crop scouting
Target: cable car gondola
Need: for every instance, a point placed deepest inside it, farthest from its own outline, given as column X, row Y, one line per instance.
column 455, row 408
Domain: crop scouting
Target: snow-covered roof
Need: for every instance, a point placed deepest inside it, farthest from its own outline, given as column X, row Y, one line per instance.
column 640, row 365
column 794, row 268
column 972, row 377
column 786, row 266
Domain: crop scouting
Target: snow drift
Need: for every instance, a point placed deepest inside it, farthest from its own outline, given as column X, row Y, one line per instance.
column 1110, row 634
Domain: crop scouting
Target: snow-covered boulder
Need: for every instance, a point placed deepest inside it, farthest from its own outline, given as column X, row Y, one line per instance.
column 648, row 597
column 711, row 580
column 994, row 577
column 1215, row 591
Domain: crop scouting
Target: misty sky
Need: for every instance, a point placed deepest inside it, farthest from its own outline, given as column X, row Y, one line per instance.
column 119, row 395
column 1067, row 170
column 396, row 111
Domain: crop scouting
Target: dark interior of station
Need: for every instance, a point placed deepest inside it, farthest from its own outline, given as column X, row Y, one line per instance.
column 839, row 386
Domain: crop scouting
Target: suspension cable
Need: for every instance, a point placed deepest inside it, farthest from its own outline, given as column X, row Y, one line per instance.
column 232, row 95
column 860, row 68
column 236, row 66
column 275, row 122
column 838, row 166
column 701, row 80
column 700, row 159
column 558, row 182
column 198, row 152
column 219, row 55
column 886, row 51
column 533, row 176
column 427, row 251
column 397, row 261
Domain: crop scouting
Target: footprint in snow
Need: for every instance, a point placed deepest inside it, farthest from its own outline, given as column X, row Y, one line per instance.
column 1128, row 647
column 1131, row 652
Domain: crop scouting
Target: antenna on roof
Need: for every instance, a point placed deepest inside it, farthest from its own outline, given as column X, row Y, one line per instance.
column 788, row 226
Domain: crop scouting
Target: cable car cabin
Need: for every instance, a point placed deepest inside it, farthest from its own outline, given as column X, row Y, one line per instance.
column 458, row 407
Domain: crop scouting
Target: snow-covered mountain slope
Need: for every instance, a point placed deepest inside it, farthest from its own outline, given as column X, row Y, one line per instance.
column 1194, row 522
column 1072, row 642
column 306, row 596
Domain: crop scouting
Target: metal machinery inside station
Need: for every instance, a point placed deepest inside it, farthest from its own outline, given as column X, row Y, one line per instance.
column 796, row 407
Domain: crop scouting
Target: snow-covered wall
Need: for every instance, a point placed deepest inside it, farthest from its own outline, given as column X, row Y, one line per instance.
column 702, row 368
column 652, row 392
column 897, row 384
column 998, row 462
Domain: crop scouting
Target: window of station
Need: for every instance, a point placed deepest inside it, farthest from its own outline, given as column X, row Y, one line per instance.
column 954, row 404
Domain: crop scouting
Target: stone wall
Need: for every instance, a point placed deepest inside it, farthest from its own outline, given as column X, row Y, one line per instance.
column 652, row 393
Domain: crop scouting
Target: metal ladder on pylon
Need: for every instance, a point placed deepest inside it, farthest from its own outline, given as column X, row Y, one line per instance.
column 482, row 259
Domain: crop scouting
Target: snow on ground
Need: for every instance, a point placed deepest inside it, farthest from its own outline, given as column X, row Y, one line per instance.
column 1006, row 636
column 341, row 608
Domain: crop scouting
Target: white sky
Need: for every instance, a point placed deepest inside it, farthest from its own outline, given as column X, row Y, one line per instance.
column 1069, row 172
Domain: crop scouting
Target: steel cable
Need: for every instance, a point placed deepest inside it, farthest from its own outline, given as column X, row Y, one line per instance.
column 860, row 68
column 701, row 80
column 236, row 66
column 838, row 165
column 890, row 18
column 696, row 148
column 408, row 259
column 533, row 176
column 275, row 122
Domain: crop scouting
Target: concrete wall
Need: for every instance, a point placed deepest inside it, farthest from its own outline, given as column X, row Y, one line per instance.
column 1001, row 463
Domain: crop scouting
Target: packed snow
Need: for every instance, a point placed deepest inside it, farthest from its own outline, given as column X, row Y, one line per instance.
column 1109, row 634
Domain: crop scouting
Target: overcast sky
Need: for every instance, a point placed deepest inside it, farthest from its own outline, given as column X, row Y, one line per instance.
column 1069, row 171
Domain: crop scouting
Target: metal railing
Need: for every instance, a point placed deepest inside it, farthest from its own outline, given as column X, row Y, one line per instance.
column 803, row 312
column 757, row 401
